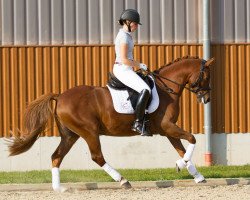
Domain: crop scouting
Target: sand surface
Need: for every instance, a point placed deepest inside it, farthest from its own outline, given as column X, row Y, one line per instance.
column 232, row 192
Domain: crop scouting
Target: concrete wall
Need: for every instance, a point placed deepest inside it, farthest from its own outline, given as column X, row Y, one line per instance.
column 133, row 152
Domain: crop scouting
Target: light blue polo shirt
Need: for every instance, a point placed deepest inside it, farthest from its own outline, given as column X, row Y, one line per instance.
column 124, row 37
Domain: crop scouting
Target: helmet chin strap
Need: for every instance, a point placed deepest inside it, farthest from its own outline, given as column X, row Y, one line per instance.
column 128, row 25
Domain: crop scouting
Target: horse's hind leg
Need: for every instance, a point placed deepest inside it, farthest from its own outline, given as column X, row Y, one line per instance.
column 177, row 134
column 94, row 145
column 68, row 139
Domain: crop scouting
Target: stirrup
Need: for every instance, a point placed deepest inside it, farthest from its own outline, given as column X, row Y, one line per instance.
column 141, row 128
column 137, row 126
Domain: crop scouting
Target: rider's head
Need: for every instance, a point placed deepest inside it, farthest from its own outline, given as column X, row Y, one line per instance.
column 130, row 18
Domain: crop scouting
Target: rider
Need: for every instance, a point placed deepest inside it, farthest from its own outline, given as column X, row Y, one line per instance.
column 125, row 67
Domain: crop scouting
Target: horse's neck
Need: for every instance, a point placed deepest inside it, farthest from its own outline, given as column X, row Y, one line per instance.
column 177, row 72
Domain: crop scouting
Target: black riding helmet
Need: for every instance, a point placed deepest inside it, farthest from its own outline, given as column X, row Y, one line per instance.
column 131, row 15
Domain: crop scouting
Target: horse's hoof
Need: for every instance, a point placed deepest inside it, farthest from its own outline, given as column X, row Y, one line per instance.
column 199, row 178
column 177, row 168
column 204, row 181
column 61, row 189
column 125, row 184
column 180, row 164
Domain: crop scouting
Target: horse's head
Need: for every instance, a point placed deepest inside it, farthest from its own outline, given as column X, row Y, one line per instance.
column 200, row 82
column 186, row 70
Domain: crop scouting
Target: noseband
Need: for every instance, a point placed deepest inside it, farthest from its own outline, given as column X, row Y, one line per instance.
column 192, row 86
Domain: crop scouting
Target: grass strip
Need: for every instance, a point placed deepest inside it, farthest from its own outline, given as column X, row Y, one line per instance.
column 44, row 176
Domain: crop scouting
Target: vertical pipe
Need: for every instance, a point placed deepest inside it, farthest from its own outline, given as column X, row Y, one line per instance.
column 207, row 107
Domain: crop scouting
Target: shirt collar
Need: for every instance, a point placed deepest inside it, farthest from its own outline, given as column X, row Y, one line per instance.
column 125, row 31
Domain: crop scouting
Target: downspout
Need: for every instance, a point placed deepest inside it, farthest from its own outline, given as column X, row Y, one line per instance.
column 207, row 107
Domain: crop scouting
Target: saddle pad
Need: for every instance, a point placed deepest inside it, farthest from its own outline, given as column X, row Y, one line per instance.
column 122, row 105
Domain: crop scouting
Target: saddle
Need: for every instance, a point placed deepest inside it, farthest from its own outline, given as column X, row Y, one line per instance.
column 116, row 84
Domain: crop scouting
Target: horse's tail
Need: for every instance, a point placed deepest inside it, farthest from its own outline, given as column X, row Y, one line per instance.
column 36, row 117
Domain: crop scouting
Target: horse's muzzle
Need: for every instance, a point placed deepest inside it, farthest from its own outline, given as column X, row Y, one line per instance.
column 203, row 97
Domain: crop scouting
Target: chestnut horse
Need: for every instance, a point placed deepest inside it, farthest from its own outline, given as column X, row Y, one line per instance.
column 88, row 112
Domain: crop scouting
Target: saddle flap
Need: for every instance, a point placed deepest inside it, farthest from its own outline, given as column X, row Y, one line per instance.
column 116, row 84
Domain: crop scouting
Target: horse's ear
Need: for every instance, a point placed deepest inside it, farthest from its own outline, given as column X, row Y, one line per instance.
column 210, row 62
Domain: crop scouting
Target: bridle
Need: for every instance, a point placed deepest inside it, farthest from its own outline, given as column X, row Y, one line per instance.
column 194, row 87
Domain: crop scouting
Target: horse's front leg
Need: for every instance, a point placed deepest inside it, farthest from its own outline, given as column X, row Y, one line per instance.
column 174, row 134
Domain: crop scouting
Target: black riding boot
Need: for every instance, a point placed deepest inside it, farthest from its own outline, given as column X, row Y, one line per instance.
column 139, row 125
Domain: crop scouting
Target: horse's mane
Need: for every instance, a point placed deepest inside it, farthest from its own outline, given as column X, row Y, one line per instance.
column 177, row 60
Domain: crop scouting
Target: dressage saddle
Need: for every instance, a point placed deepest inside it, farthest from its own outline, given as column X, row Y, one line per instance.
column 116, row 84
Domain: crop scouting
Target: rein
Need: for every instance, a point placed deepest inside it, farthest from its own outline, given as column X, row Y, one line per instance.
column 197, row 82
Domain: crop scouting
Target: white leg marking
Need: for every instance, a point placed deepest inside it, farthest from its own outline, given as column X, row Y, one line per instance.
column 189, row 152
column 112, row 172
column 56, row 180
column 181, row 164
column 193, row 171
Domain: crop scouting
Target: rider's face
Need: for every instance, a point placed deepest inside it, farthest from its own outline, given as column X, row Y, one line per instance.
column 133, row 26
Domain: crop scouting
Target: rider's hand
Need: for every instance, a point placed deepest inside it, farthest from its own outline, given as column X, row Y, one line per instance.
column 143, row 66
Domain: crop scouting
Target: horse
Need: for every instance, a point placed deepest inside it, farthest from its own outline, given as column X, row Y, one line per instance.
column 88, row 112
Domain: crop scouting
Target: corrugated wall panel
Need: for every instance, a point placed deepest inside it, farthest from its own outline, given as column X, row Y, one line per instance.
column 231, row 89
column 106, row 22
column 240, row 21
column 167, row 23
column 248, row 86
column 32, row 34
column 179, row 21
column 14, row 87
column 192, row 21
column 155, row 21
column 228, row 20
column 7, row 13
column 81, row 22
column 248, row 20
column 19, row 22
column 69, row 21
column 242, row 88
column 6, row 91
column 94, row 22
column 31, row 22
column 29, row 72
column 143, row 31
column 44, row 21
column 57, row 22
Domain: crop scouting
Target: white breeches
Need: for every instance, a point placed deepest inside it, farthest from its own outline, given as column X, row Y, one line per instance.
column 128, row 77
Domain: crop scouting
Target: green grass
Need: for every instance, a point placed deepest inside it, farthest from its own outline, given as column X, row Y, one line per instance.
column 130, row 174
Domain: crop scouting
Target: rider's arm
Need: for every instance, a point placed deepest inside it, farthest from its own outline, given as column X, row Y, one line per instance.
column 125, row 60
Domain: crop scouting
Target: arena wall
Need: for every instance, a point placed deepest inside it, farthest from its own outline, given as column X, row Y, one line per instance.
column 133, row 152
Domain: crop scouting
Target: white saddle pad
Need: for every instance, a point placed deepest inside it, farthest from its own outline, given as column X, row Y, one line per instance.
column 122, row 105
